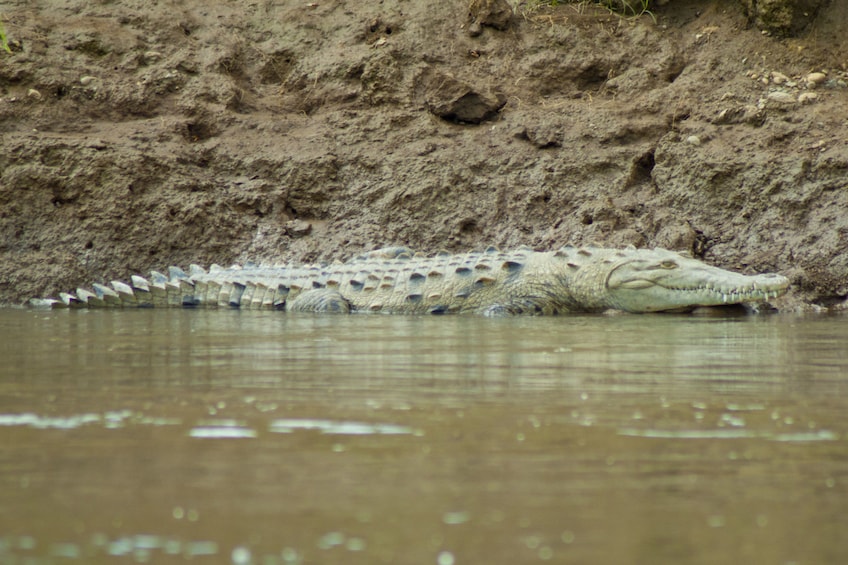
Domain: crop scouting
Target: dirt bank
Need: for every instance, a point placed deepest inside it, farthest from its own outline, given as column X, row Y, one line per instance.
column 138, row 135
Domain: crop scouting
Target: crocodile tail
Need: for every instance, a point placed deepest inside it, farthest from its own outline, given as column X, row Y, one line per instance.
column 177, row 289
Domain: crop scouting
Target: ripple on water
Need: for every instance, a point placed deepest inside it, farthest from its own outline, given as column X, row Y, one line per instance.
column 287, row 426
column 111, row 420
column 143, row 548
column 819, row 435
column 222, row 429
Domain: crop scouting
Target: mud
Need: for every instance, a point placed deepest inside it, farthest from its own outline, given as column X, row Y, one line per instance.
column 138, row 135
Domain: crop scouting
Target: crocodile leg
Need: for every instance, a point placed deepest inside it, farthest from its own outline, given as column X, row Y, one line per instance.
column 319, row 300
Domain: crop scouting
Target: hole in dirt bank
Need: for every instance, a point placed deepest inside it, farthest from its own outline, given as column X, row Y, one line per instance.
column 467, row 226
column 641, row 169
column 700, row 244
column 198, row 131
column 276, row 68
column 674, row 73
column 592, row 77
column 830, row 300
column 378, row 28
column 587, row 220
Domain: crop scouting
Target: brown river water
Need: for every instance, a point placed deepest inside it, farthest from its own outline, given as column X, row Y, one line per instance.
column 171, row 436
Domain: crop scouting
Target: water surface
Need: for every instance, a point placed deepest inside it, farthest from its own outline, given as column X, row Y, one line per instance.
column 257, row 437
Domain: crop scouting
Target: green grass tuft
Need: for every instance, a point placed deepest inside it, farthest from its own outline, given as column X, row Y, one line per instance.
column 3, row 42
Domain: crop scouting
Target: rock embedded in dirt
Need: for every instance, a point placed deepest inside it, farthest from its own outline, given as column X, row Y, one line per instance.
column 815, row 79
column 783, row 17
column 496, row 14
column 779, row 99
column 779, row 78
column 298, row 228
column 744, row 114
column 543, row 136
column 807, row 97
column 457, row 101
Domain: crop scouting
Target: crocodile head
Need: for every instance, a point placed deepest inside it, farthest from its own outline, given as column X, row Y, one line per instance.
column 659, row 280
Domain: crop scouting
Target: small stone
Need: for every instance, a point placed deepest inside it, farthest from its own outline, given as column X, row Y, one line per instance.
column 151, row 56
column 815, row 79
column 807, row 97
column 34, row 94
column 86, row 80
column 693, row 140
column 779, row 78
column 298, row 228
column 780, row 97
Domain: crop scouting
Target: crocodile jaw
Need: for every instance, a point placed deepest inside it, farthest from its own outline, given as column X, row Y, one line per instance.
column 679, row 283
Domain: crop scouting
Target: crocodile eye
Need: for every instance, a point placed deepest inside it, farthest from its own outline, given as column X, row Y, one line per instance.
column 668, row 264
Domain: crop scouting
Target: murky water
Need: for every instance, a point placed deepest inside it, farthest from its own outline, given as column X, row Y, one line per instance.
column 249, row 437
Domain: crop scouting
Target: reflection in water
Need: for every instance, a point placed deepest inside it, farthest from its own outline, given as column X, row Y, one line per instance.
column 253, row 437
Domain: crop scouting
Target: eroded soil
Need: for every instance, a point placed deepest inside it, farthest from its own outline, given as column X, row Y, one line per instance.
column 139, row 135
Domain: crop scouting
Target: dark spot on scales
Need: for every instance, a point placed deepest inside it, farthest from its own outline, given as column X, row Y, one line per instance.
column 440, row 309
column 414, row 297
column 512, row 266
column 416, row 277
column 482, row 267
column 356, row 285
column 483, row 281
column 316, row 284
column 464, row 271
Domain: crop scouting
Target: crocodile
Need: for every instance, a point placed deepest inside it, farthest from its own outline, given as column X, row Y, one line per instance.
column 491, row 282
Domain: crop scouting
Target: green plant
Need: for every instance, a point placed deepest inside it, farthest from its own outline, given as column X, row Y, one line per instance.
column 635, row 8
column 3, row 43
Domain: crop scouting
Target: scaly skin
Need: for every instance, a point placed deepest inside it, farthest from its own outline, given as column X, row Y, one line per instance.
column 392, row 280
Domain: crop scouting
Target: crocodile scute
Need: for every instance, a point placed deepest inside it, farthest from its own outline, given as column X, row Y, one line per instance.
column 491, row 282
